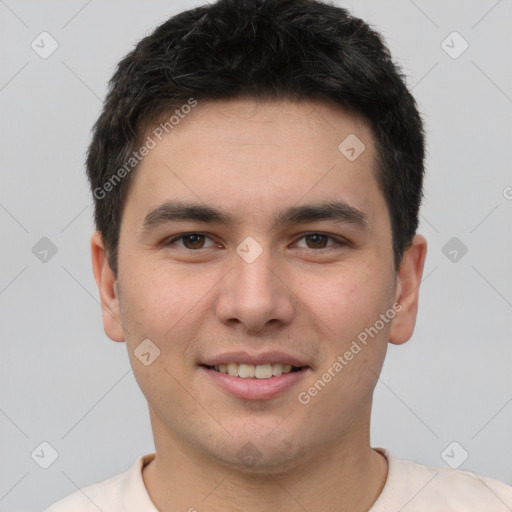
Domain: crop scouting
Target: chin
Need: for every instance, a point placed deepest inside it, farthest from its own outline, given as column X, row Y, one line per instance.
column 261, row 458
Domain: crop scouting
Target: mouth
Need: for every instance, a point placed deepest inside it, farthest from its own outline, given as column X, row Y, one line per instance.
column 252, row 371
column 255, row 376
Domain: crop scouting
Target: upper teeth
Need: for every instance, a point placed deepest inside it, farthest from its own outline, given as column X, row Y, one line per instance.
column 260, row 371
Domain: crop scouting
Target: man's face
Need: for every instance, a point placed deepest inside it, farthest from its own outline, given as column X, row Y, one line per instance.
column 264, row 288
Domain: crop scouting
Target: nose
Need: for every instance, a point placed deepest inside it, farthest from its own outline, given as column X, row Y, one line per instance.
column 255, row 294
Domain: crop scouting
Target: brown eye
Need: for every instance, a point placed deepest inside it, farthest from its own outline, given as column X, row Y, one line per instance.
column 192, row 241
column 317, row 240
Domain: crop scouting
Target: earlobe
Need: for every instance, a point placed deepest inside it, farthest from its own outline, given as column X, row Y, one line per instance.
column 407, row 295
column 108, row 288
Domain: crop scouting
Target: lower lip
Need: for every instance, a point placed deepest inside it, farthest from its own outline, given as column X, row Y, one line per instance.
column 256, row 389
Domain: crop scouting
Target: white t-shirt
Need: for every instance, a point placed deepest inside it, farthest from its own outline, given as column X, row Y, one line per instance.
column 409, row 487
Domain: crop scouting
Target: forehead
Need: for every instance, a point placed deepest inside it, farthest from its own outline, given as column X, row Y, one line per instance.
column 241, row 153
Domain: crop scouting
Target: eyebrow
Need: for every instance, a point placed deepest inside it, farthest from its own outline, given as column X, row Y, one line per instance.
column 337, row 211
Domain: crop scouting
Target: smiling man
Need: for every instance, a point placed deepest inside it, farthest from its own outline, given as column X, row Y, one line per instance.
column 257, row 173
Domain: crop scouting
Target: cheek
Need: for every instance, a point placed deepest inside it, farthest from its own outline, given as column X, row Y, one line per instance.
column 157, row 306
column 158, row 298
column 347, row 301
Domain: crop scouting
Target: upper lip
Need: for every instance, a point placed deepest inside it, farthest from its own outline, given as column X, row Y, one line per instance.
column 255, row 359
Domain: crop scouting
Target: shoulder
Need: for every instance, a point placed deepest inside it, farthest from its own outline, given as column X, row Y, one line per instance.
column 101, row 495
column 108, row 495
column 412, row 487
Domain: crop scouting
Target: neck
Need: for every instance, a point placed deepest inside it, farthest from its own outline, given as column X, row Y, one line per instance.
column 346, row 476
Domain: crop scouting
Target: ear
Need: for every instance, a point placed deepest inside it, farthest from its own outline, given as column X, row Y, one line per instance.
column 407, row 291
column 107, row 286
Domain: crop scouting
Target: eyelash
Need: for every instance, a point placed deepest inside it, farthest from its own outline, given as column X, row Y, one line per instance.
column 337, row 242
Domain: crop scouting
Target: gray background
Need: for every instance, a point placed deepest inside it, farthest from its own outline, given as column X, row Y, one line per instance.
column 64, row 382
